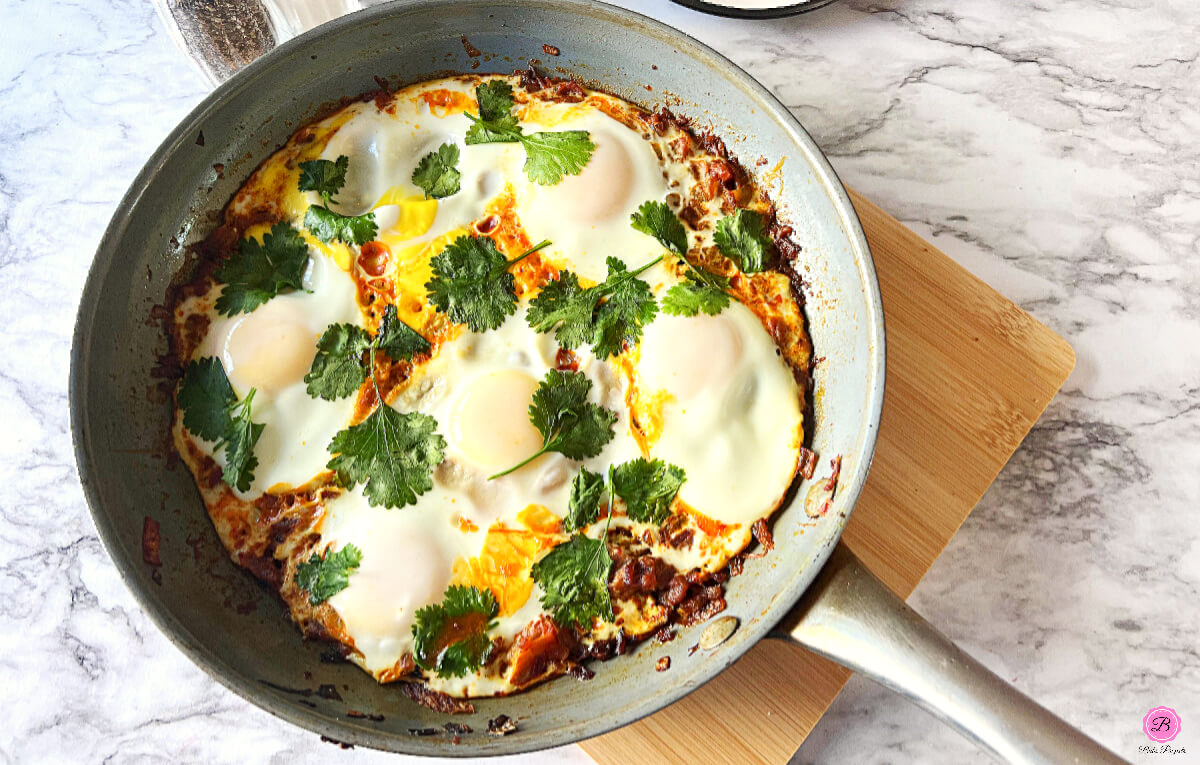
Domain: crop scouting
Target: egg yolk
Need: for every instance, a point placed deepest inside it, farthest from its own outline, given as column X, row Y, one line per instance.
column 602, row 190
column 692, row 355
column 490, row 421
column 267, row 350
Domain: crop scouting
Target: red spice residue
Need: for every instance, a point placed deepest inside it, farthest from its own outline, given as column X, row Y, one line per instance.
column 151, row 537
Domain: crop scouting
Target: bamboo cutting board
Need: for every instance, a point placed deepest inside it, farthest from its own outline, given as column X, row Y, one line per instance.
column 968, row 374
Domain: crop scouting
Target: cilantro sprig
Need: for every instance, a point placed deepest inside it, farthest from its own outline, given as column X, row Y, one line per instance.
column 392, row 454
column 437, row 173
column 702, row 291
column 548, row 155
column 574, row 581
column 255, row 273
column 742, row 237
column 568, row 423
column 212, row 411
column 648, row 488
column 451, row 636
column 327, row 178
column 471, row 282
column 322, row 577
column 345, row 353
column 608, row 316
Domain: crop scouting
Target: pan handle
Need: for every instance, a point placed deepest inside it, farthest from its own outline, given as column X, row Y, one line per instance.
column 849, row 616
column 222, row 36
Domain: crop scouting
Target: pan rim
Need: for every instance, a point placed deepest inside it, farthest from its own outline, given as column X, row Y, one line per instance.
column 348, row 730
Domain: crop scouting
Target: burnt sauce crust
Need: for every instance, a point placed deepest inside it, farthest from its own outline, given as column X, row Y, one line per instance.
column 272, row 534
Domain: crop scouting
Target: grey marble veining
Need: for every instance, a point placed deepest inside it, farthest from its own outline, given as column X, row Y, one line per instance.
column 1051, row 148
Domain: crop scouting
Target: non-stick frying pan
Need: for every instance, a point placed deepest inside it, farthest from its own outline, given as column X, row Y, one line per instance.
column 241, row 634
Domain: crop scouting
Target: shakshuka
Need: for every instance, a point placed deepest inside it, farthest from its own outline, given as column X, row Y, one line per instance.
column 491, row 375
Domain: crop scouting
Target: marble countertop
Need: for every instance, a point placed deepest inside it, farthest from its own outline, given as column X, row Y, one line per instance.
column 1051, row 148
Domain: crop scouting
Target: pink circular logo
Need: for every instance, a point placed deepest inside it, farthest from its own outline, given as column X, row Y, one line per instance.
column 1161, row 724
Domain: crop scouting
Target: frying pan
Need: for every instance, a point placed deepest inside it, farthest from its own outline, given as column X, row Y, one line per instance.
column 239, row 632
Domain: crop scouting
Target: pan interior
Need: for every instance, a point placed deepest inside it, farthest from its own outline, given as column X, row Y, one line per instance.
column 216, row 612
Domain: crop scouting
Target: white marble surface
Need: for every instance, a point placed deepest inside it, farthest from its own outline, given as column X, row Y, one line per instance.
column 1052, row 148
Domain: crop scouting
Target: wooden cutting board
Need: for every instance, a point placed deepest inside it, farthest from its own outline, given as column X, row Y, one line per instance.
column 968, row 374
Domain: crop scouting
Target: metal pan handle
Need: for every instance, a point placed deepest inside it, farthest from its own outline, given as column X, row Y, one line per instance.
column 849, row 616
column 222, row 36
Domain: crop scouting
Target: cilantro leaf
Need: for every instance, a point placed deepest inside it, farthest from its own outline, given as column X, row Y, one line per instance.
column 574, row 580
column 657, row 220
column 648, row 487
column 584, row 505
column 701, row 292
column 324, row 577
column 620, row 318
column 339, row 368
column 564, row 308
column 742, row 238
column 328, row 226
column 437, row 173
column 550, row 156
column 496, row 123
column 438, row 629
column 324, row 177
column 255, row 273
column 239, row 440
column 397, row 339
column 205, row 398
column 568, row 422
column 394, row 454
column 211, row 410
column 608, row 315
column 495, row 99
column 471, row 283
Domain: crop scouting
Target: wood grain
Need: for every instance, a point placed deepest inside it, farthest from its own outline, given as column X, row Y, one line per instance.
column 968, row 374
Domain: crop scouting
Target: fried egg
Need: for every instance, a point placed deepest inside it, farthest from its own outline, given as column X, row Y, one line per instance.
column 269, row 350
column 726, row 409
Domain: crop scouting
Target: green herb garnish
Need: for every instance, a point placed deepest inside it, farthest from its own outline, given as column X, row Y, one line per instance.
column 648, row 488
column 325, row 576
column 327, row 178
column 255, row 273
column 574, row 581
column 548, row 155
column 392, row 453
column 437, row 173
column 583, row 507
column 211, row 410
column 451, row 636
column 609, row 316
column 742, row 238
column 471, row 283
column 342, row 363
column 568, row 422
